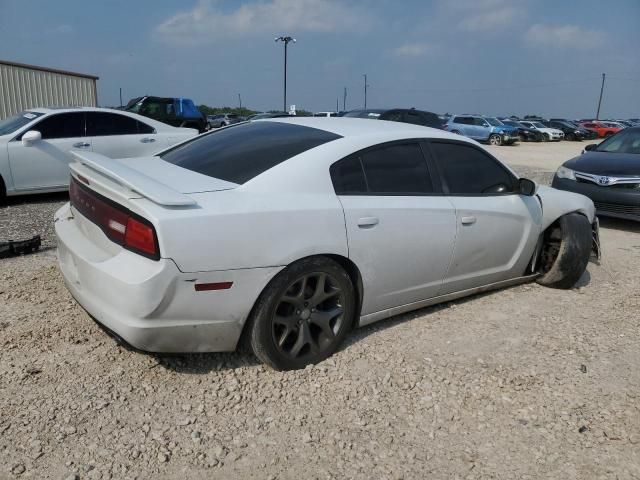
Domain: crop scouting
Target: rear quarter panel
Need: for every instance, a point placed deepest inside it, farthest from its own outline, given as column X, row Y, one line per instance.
column 233, row 229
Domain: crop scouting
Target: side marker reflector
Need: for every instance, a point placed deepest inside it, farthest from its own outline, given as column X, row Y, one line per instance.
column 202, row 287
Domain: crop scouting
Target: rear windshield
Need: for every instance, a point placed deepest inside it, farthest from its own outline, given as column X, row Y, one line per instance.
column 239, row 153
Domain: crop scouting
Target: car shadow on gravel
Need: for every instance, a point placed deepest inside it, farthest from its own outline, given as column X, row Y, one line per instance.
column 204, row 363
column 619, row 224
column 35, row 199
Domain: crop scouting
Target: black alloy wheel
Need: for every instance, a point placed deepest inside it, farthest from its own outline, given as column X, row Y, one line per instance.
column 303, row 315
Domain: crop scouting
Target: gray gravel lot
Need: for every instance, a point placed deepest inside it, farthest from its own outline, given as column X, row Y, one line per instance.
column 526, row 382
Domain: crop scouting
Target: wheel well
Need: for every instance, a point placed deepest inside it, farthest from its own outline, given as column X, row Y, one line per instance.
column 544, row 237
column 349, row 267
column 3, row 189
column 356, row 279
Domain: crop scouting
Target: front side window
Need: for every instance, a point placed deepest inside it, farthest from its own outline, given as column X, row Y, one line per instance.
column 469, row 171
column 102, row 124
column 11, row 124
column 245, row 150
column 61, row 125
column 396, row 169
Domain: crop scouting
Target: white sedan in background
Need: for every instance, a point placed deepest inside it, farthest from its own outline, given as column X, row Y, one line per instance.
column 550, row 134
column 286, row 233
column 35, row 144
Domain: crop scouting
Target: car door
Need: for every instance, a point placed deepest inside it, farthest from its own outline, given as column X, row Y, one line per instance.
column 400, row 229
column 497, row 228
column 120, row 136
column 481, row 129
column 44, row 163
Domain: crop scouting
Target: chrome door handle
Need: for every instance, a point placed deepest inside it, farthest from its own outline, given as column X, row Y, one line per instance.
column 148, row 140
column 81, row 145
column 368, row 222
column 470, row 220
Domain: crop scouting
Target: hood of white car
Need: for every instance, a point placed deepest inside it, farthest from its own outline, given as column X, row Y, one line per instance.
column 178, row 178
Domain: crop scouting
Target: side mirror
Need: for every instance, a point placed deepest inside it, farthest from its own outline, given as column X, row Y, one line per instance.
column 527, row 187
column 591, row 147
column 30, row 137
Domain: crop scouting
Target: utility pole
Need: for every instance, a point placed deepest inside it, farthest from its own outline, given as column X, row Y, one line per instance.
column 365, row 90
column 285, row 40
column 337, row 105
column 344, row 100
column 240, row 101
column 120, row 96
column 600, row 99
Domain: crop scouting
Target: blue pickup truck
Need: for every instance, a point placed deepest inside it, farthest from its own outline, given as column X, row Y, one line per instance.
column 483, row 129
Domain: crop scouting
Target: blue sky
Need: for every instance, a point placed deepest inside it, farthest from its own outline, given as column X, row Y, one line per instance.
column 488, row 56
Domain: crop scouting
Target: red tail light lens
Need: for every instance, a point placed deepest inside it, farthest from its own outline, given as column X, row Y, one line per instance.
column 119, row 224
column 140, row 236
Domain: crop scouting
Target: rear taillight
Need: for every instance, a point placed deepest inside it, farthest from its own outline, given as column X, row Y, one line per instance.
column 119, row 224
column 140, row 236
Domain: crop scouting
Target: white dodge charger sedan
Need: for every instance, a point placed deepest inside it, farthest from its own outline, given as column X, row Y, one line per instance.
column 283, row 234
column 35, row 144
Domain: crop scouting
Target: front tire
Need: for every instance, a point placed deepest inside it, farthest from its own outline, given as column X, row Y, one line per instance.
column 565, row 252
column 495, row 139
column 303, row 315
column 571, row 137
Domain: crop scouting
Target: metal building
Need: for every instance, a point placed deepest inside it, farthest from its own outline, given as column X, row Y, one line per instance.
column 28, row 86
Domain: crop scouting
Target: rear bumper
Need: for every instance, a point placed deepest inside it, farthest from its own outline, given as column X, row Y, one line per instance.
column 152, row 305
column 609, row 202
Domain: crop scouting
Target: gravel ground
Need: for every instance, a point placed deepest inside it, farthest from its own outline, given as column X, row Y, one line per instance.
column 525, row 382
column 25, row 216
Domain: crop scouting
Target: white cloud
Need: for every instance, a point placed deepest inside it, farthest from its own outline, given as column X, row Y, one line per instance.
column 565, row 36
column 491, row 20
column 206, row 24
column 61, row 30
column 412, row 50
column 485, row 15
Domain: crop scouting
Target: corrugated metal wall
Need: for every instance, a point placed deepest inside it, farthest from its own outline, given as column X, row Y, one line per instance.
column 22, row 88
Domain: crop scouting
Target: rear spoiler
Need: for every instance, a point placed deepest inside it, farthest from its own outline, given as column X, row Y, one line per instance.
column 132, row 179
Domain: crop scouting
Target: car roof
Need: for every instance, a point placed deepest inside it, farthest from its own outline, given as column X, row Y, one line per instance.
column 353, row 127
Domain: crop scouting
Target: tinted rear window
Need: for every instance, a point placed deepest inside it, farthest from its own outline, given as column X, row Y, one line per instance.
column 239, row 153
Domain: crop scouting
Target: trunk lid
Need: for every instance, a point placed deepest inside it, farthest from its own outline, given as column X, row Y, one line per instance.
column 144, row 177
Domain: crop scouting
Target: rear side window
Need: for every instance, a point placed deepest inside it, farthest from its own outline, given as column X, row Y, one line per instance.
column 62, row 125
column 241, row 152
column 101, row 124
column 469, row 171
column 397, row 169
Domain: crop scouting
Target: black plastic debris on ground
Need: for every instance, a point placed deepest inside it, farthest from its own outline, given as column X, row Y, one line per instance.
column 19, row 247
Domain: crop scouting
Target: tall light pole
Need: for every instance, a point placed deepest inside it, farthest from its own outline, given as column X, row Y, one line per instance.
column 285, row 40
column 365, row 90
column 240, row 101
column 600, row 99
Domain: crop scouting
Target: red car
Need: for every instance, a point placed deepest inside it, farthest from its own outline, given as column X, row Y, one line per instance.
column 603, row 129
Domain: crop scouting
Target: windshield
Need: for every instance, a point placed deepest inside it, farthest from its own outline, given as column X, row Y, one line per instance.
column 493, row 121
column 627, row 141
column 569, row 124
column 538, row 125
column 11, row 124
